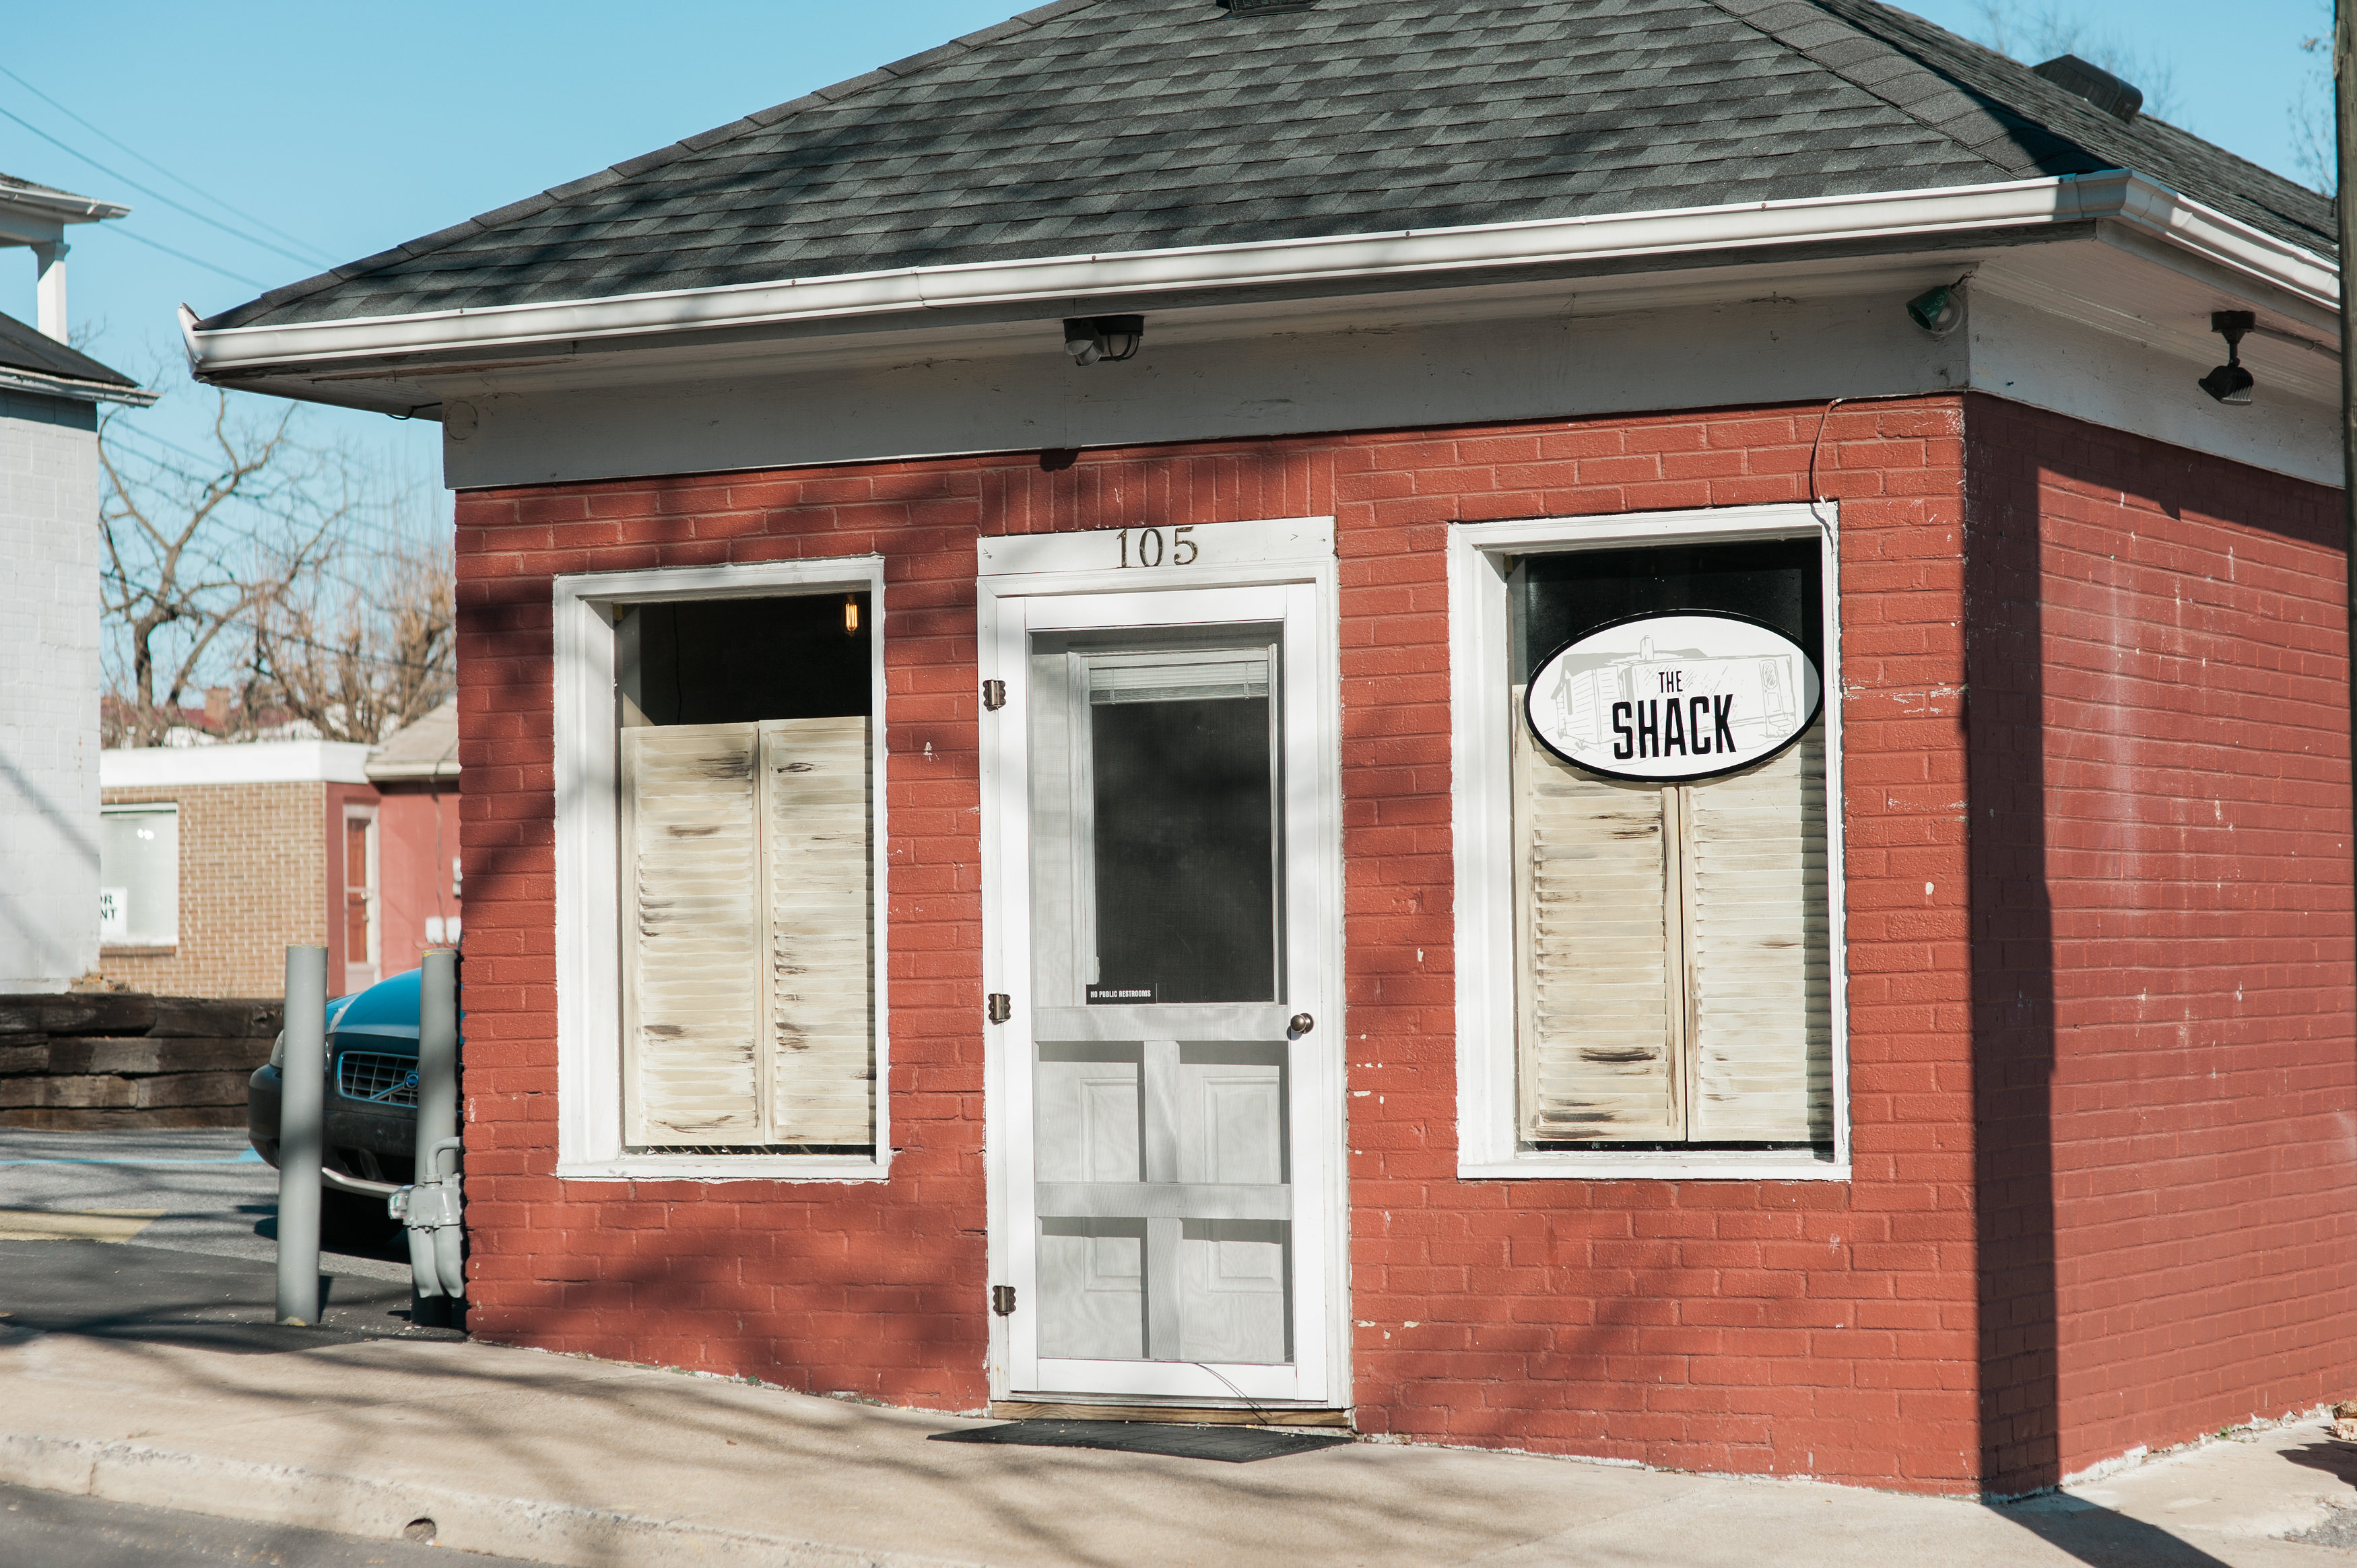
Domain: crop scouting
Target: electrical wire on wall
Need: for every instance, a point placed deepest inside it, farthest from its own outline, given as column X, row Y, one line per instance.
column 1815, row 495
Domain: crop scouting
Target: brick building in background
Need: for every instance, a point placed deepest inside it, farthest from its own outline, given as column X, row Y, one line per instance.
column 217, row 857
column 1047, row 656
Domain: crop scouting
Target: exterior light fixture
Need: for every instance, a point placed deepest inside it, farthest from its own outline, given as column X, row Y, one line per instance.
column 2229, row 383
column 1088, row 338
column 1939, row 311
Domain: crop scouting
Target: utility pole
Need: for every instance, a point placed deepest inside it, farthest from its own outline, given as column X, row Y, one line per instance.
column 2344, row 116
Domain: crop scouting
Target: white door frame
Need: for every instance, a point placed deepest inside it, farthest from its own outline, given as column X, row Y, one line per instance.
column 1285, row 569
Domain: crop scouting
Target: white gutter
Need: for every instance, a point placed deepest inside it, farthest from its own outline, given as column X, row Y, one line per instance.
column 19, row 380
column 2125, row 198
column 59, row 206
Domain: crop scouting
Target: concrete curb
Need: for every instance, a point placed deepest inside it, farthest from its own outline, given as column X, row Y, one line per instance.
column 563, row 1533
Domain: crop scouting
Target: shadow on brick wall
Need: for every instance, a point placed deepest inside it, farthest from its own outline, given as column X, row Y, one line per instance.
column 2012, row 968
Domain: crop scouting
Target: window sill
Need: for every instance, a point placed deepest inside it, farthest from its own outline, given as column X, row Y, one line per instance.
column 1656, row 1166
column 138, row 950
column 726, row 1167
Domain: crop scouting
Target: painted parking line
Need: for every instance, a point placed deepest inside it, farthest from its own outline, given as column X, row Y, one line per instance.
column 75, row 1224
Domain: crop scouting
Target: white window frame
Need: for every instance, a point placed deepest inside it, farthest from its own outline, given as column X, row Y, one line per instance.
column 589, row 869
column 153, row 808
column 1482, row 819
column 371, row 960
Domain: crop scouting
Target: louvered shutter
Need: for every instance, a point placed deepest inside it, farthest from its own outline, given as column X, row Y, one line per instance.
column 822, row 968
column 1597, row 1012
column 1760, row 955
column 691, row 942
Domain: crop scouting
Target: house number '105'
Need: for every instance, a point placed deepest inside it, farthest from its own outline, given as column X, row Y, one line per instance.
column 1149, row 546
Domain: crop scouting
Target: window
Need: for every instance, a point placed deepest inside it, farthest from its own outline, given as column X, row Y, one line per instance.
column 1648, row 968
column 719, row 995
column 139, row 877
column 363, row 960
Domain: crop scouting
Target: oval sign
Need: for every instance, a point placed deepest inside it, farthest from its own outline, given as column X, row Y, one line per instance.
column 1664, row 698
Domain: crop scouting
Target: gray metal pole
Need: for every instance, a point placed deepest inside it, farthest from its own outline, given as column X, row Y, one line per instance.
column 437, row 1057
column 437, row 1122
column 2344, row 102
column 302, row 1110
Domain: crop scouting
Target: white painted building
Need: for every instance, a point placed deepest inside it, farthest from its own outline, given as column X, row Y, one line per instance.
column 49, row 619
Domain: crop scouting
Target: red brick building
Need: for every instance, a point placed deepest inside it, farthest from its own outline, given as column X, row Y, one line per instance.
column 214, row 858
column 1021, row 682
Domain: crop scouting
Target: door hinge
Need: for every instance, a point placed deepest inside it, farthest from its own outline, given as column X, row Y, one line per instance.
column 993, row 695
column 1001, row 1007
column 1002, row 1300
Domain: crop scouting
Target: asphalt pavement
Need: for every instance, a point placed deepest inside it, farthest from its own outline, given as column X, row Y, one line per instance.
column 202, row 1191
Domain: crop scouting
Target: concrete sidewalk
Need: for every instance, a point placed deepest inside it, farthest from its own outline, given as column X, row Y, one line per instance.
column 585, row 1463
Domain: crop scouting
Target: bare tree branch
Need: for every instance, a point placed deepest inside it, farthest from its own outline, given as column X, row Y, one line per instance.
column 381, row 658
column 273, row 570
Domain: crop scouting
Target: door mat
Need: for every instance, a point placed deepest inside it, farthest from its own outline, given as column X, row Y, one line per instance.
column 1234, row 1445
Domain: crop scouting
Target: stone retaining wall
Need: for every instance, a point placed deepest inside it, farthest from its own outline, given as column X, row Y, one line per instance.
column 125, row 1059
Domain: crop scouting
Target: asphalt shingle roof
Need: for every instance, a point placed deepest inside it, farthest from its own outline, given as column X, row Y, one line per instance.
column 1095, row 125
column 24, row 348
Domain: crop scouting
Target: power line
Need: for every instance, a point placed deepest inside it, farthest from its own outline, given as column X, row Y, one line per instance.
column 151, row 163
column 183, row 254
column 159, row 196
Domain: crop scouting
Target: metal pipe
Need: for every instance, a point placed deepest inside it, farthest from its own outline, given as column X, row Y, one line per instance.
column 2344, row 100
column 302, row 1112
column 434, row 1253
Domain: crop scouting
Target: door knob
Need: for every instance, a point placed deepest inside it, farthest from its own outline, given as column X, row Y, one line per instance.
column 1302, row 1024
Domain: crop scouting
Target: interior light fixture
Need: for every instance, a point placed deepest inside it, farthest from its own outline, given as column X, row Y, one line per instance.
column 1113, row 338
column 850, row 615
column 1939, row 311
column 2229, row 383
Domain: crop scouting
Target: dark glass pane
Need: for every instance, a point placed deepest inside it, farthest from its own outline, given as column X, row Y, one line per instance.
column 720, row 661
column 1185, row 850
column 1557, row 598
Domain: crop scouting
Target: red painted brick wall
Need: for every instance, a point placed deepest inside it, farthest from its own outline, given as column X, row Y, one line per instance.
column 1827, row 1328
column 2161, row 792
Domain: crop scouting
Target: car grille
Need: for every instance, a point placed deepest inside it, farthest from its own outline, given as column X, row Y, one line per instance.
column 377, row 1078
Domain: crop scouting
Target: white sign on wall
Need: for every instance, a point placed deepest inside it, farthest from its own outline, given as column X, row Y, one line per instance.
column 1663, row 698
column 114, row 914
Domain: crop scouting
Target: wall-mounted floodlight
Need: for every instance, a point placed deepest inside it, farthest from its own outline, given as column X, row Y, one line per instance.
column 1939, row 311
column 2229, row 383
column 1088, row 338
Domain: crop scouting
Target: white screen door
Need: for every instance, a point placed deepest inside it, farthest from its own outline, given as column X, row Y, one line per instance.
column 1172, row 1060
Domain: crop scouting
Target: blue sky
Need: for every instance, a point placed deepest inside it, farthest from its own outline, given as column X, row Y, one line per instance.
column 351, row 128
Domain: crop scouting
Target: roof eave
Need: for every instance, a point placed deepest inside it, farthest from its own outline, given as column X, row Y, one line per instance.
column 70, row 389
column 409, row 772
column 2130, row 200
column 59, row 206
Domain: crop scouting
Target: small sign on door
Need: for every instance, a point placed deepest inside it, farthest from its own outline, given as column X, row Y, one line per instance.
column 1120, row 997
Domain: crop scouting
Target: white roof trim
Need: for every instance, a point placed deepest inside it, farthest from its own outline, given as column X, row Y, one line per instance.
column 59, row 206
column 234, row 762
column 2128, row 198
column 13, row 378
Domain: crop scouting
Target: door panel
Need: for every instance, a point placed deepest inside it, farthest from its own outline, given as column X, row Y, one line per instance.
column 1170, row 925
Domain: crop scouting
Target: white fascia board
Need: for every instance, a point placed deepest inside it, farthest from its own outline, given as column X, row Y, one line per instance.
column 1889, row 216
column 56, row 206
column 71, row 391
column 233, row 762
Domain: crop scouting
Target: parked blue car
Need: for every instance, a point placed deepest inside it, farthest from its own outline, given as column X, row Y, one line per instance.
column 372, row 1103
